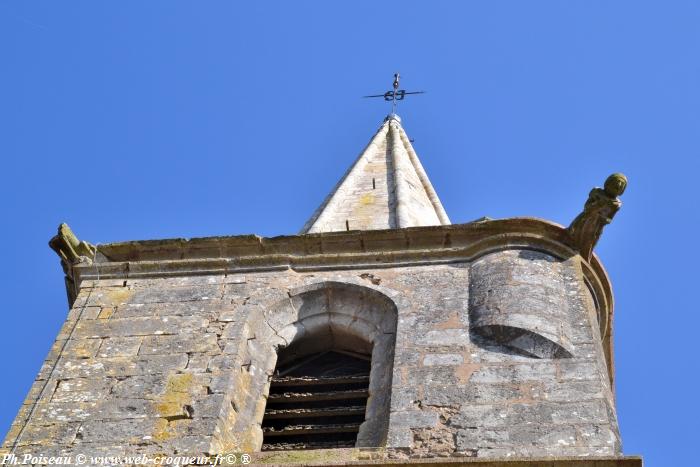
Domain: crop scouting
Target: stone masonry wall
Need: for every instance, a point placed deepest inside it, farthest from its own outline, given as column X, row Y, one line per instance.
column 179, row 365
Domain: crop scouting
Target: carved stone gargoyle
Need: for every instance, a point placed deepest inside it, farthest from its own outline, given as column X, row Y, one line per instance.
column 599, row 210
column 70, row 249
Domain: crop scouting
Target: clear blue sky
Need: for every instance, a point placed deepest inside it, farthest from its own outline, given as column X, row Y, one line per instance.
column 140, row 120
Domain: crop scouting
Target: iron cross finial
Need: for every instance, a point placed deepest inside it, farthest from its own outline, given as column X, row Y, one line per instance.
column 395, row 95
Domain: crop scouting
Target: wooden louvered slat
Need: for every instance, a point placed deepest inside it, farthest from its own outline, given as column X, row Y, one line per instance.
column 276, row 414
column 292, row 430
column 282, row 445
column 317, row 380
column 318, row 396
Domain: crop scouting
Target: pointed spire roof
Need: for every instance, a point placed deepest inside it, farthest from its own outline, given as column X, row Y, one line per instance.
column 386, row 188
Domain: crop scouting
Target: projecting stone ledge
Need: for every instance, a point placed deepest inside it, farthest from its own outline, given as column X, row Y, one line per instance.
column 388, row 457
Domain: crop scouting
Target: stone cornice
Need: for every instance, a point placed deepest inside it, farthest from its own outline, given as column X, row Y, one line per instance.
column 329, row 243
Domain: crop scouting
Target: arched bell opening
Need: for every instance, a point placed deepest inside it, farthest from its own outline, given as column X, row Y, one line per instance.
column 317, row 399
column 331, row 385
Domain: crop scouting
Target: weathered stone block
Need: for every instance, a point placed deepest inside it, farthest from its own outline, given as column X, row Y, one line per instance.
column 456, row 338
column 81, row 390
column 517, row 373
column 183, row 343
column 118, row 431
column 442, row 359
column 458, row 395
column 152, row 365
column 415, row 419
column 119, row 347
column 566, row 391
column 139, row 326
column 523, row 414
column 598, row 435
column 146, row 386
column 578, row 371
column 202, row 308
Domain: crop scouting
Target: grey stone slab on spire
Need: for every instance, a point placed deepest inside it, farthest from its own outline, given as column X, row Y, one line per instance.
column 386, row 188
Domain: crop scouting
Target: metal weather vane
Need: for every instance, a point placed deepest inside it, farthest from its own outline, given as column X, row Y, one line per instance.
column 396, row 94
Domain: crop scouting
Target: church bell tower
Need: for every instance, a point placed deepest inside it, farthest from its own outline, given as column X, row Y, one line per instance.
column 380, row 333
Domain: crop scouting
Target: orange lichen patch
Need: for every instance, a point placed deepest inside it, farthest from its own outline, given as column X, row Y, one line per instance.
column 106, row 313
column 173, row 405
column 117, row 295
column 179, row 386
column 162, row 430
column 452, row 322
column 433, row 440
column 242, row 395
column 82, row 348
column 247, row 439
column 464, row 372
column 171, row 410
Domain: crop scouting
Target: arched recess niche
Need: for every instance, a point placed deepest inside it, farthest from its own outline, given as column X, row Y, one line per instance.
column 319, row 317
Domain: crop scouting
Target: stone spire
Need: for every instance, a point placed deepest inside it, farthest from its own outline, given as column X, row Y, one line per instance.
column 386, row 188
